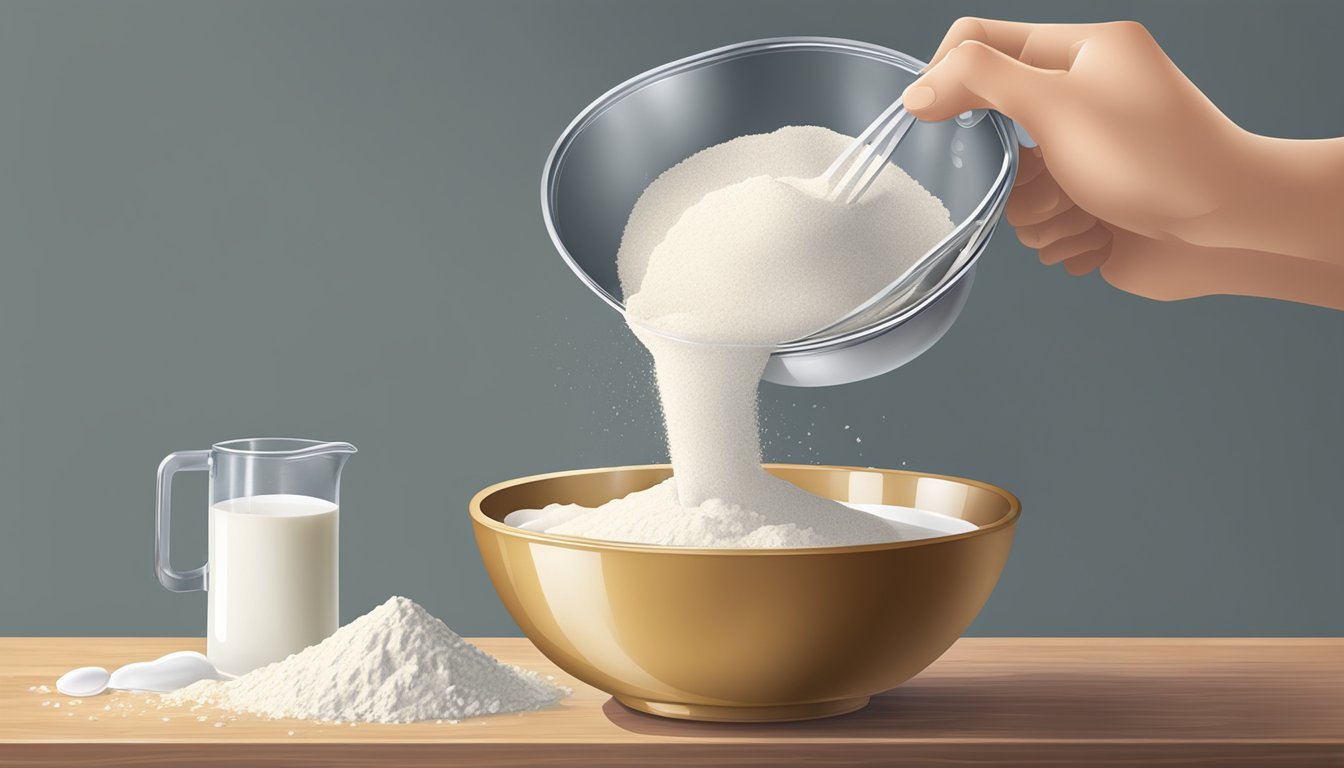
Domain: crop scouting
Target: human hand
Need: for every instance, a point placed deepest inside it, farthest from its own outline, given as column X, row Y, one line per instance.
column 1137, row 172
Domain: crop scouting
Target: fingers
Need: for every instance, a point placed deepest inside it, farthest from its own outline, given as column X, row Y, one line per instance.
column 1030, row 164
column 1037, row 201
column 1083, row 264
column 1048, row 46
column 975, row 75
column 1047, row 220
column 1071, row 222
column 1003, row 65
column 1006, row 36
column 1095, row 239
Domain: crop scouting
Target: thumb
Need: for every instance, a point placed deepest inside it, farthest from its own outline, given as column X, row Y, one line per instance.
column 975, row 76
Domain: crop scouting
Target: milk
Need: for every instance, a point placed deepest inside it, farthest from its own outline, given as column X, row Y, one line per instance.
column 272, row 579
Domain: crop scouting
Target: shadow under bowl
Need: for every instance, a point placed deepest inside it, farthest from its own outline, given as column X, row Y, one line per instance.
column 745, row 635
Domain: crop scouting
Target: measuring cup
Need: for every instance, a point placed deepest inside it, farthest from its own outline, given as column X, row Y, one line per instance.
column 272, row 572
column 620, row 143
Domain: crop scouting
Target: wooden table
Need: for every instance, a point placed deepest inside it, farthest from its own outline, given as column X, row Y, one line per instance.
column 1006, row 700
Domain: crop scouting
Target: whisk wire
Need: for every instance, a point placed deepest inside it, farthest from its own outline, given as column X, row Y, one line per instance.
column 874, row 148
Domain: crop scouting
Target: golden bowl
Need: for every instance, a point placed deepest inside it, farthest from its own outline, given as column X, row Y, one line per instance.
column 745, row 635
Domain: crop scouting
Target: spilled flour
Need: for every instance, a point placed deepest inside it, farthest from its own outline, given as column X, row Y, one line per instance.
column 394, row 664
column 737, row 249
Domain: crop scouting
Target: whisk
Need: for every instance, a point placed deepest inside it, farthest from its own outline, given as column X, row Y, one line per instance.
column 853, row 173
column 875, row 147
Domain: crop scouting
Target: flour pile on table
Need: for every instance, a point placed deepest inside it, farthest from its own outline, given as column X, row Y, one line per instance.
column 394, row 664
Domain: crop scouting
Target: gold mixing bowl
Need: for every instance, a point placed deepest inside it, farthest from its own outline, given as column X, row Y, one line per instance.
column 745, row 635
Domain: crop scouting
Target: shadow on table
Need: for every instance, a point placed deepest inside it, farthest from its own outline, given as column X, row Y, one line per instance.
column 1042, row 706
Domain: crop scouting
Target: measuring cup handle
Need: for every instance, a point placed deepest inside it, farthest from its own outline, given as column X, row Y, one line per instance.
column 182, row 461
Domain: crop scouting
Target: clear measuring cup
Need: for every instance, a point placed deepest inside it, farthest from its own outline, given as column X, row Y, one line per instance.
column 271, row 574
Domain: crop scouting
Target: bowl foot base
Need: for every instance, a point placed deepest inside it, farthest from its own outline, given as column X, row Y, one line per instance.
column 766, row 714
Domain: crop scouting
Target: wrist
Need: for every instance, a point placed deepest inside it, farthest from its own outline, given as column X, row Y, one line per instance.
column 1276, row 196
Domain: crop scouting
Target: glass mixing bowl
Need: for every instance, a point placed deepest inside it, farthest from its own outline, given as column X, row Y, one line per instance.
column 628, row 137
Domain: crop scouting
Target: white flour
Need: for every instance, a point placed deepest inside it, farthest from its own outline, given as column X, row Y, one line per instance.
column 736, row 246
column 654, row 516
column 394, row 664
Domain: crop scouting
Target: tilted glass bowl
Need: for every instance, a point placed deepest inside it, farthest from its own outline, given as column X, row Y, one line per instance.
column 628, row 137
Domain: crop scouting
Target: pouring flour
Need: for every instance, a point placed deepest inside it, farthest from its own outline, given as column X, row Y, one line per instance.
column 725, row 255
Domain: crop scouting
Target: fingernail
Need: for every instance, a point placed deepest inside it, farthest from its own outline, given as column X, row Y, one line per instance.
column 918, row 97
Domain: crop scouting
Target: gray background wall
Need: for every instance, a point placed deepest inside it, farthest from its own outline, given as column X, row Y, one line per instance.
column 232, row 219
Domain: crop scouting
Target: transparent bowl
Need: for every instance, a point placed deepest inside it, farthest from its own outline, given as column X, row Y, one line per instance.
column 637, row 130
column 745, row 635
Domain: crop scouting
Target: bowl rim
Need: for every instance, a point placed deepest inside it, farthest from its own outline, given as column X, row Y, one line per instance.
column 480, row 518
column 978, row 226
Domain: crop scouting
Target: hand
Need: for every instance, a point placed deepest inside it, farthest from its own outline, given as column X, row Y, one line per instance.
column 1137, row 172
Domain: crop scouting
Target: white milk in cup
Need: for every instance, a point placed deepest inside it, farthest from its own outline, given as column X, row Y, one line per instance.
column 272, row 573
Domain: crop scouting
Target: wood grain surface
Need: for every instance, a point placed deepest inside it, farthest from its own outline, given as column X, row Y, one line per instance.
column 1252, row 702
